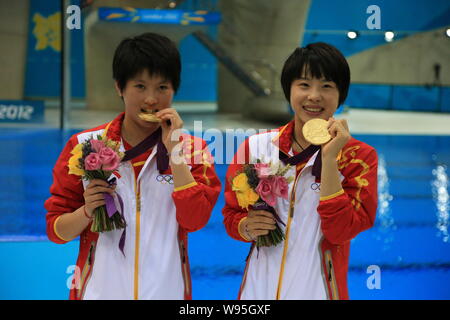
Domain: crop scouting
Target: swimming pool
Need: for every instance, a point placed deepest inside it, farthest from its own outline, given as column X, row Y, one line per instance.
column 409, row 242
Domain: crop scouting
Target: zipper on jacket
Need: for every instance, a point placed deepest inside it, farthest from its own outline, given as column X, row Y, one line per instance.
column 330, row 268
column 87, row 271
column 185, row 270
column 137, row 239
column 334, row 294
column 91, row 249
column 286, row 240
column 183, row 256
column 138, row 202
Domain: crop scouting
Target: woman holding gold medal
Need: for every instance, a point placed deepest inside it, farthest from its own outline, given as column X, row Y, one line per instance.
column 332, row 193
column 158, row 185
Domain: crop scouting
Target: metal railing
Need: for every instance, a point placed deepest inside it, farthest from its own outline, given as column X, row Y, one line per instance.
column 245, row 77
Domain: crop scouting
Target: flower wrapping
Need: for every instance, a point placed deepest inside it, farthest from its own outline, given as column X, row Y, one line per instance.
column 259, row 185
column 99, row 159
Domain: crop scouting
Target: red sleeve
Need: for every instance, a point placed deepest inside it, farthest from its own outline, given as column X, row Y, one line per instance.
column 352, row 211
column 195, row 202
column 66, row 191
column 232, row 212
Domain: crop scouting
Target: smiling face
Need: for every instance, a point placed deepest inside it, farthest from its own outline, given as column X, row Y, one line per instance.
column 145, row 92
column 315, row 81
column 313, row 98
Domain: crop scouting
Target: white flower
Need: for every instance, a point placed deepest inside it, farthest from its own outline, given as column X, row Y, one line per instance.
column 274, row 167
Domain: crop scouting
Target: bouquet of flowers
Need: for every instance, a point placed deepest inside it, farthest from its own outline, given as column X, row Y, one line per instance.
column 259, row 185
column 98, row 159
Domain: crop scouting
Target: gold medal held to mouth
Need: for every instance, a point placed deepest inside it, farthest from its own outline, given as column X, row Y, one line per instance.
column 315, row 131
column 149, row 117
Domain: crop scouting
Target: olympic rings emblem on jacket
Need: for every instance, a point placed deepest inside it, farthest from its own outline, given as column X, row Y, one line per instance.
column 315, row 186
column 165, row 178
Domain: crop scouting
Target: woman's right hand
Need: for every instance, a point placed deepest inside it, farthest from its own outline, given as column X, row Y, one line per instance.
column 93, row 195
column 258, row 223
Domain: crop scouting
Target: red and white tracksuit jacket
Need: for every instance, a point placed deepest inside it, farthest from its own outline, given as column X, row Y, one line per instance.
column 155, row 265
column 312, row 262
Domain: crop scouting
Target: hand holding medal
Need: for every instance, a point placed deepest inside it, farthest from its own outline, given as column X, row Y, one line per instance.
column 332, row 135
column 316, row 132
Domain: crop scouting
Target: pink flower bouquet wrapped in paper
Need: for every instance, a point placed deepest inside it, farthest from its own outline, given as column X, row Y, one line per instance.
column 98, row 159
column 260, row 185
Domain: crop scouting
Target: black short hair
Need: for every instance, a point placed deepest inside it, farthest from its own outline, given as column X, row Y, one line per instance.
column 318, row 60
column 154, row 52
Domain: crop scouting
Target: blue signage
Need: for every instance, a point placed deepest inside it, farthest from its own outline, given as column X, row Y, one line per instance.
column 21, row 111
column 43, row 62
column 179, row 17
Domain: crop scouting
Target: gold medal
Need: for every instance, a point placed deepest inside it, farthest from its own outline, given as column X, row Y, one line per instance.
column 149, row 117
column 315, row 131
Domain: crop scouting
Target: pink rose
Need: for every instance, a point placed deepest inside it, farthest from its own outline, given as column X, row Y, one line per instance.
column 280, row 187
column 92, row 162
column 109, row 159
column 266, row 192
column 262, row 170
column 97, row 145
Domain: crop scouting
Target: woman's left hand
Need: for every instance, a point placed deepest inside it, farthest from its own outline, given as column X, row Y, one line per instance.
column 340, row 135
column 170, row 139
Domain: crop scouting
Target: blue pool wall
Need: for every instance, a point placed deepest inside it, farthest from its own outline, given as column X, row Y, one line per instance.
column 405, row 242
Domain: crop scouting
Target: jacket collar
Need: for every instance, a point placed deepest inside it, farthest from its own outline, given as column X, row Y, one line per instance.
column 113, row 130
column 283, row 140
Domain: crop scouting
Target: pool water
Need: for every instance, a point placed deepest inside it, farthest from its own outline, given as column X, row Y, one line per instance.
column 408, row 244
